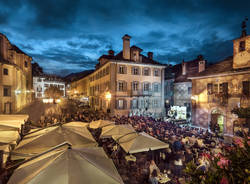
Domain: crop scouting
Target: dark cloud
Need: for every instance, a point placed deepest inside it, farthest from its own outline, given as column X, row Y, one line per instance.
column 70, row 35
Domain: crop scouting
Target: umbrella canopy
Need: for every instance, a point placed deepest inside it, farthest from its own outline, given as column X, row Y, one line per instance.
column 139, row 142
column 9, row 137
column 9, row 122
column 76, row 133
column 6, row 148
column 100, row 124
column 119, row 130
column 64, row 166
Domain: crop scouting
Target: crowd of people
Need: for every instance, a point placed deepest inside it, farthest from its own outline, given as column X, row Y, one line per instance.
column 186, row 144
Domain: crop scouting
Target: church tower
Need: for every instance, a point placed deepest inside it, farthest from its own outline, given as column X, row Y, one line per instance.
column 241, row 47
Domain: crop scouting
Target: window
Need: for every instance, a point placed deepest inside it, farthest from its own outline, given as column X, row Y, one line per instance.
column 146, row 71
column 122, row 69
column 135, row 86
column 107, row 70
column 189, row 90
column 7, row 91
column 215, row 88
column 5, row 71
column 146, row 87
column 246, row 88
column 142, row 103
column 156, row 103
column 134, row 104
column 121, row 104
column 223, row 88
column 242, row 46
column 156, row 72
column 135, row 71
column 121, row 86
column 26, row 64
column 156, row 87
column 209, row 88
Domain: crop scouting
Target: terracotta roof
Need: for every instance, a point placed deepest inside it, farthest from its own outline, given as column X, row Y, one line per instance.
column 106, row 57
column 192, row 68
column 145, row 60
column 15, row 48
column 222, row 67
column 135, row 48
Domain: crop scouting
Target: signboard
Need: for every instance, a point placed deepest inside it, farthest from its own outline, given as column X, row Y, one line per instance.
column 178, row 112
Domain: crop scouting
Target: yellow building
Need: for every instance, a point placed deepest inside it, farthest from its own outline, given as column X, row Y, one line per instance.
column 221, row 87
column 15, row 77
column 128, row 83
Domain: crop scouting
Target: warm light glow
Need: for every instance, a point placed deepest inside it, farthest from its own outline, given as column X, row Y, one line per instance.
column 75, row 91
column 108, row 96
column 194, row 97
column 45, row 100
column 48, row 100
column 58, row 100
column 18, row 92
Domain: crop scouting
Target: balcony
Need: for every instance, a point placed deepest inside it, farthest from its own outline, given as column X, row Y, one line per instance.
column 140, row 92
column 219, row 98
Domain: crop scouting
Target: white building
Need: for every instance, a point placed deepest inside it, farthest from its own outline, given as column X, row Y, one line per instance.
column 41, row 83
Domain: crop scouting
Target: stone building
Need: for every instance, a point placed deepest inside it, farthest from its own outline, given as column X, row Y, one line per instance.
column 169, row 87
column 221, row 87
column 127, row 83
column 43, row 82
column 183, row 85
column 15, row 77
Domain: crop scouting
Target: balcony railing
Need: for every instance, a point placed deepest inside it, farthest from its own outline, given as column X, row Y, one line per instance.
column 141, row 92
column 219, row 98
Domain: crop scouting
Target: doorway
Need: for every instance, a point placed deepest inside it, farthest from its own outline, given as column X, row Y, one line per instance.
column 7, row 108
column 217, row 121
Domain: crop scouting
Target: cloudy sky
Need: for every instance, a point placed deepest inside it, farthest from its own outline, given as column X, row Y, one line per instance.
column 66, row 36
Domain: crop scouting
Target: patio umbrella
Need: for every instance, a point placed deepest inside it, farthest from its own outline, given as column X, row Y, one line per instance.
column 139, row 142
column 6, row 148
column 11, row 122
column 68, row 166
column 120, row 130
column 9, row 137
column 100, row 124
column 76, row 133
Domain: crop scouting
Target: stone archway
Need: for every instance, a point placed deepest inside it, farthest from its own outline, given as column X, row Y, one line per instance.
column 217, row 120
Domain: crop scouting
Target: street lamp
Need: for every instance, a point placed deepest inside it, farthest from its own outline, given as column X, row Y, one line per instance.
column 108, row 97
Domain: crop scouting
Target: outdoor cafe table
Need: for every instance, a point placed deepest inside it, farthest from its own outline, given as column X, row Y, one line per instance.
column 163, row 178
column 130, row 158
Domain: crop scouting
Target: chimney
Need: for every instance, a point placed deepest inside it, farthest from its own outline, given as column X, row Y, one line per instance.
column 111, row 52
column 126, row 46
column 184, row 68
column 202, row 65
column 150, row 55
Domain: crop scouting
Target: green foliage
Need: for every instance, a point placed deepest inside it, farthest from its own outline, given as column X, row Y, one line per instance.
column 242, row 112
column 235, row 171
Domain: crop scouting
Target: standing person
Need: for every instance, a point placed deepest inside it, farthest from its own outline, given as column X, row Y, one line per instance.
column 153, row 167
column 153, row 178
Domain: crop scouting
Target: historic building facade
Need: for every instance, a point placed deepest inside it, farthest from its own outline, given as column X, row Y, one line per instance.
column 182, row 86
column 128, row 83
column 15, row 77
column 41, row 83
column 221, row 87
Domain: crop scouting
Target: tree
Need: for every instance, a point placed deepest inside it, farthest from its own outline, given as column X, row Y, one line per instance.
column 37, row 70
column 53, row 92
